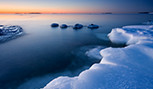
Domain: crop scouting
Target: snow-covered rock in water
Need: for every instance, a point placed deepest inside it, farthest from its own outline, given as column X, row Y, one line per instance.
column 120, row 68
column 78, row 26
column 63, row 26
column 93, row 26
column 54, row 25
column 9, row 32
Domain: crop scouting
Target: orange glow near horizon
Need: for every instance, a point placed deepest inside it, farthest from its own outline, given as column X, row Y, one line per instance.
column 44, row 10
column 73, row 6
column 21, row 9
column 3, row 11
column 34, row 8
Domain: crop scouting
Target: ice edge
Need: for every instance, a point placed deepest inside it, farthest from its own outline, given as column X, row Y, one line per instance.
column 129, row 67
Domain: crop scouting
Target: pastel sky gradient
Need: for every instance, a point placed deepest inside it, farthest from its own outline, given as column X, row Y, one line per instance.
column 75, row 6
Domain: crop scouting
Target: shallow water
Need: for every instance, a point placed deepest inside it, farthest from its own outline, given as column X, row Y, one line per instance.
column 42, row 49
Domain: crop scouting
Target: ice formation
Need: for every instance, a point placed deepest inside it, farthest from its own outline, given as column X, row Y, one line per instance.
column 9, row 32
column 120, row 68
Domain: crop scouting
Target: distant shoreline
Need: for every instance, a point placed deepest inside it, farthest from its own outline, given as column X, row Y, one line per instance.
column 103, row 13
column 145, row 12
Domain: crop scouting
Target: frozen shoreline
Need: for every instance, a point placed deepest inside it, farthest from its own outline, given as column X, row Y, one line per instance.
column 129, row 67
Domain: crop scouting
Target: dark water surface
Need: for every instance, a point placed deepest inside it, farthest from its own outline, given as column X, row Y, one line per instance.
column 44, row 50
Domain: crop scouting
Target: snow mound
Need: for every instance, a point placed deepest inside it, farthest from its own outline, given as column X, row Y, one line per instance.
column 131, row 34
column 9, row 32
column 120, row 68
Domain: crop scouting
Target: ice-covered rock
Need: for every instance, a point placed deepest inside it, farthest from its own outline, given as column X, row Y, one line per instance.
column 120, row 68
column 63, row 26
column 93, row 26
column 54, row 25
column 78, row 26
column 9, row 32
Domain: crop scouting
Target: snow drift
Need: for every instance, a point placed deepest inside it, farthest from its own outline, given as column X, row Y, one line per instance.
column 120, row 68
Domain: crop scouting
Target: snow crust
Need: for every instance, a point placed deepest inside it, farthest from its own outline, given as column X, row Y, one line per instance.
column 120, row 68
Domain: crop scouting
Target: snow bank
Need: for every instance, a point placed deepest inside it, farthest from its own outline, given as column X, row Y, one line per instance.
column 9, row 32
column 120, row 68
column 131, row 34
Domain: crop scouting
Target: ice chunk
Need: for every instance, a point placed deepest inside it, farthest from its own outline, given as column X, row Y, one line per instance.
column 119, row 36
column 94, row 53
column 9, row 32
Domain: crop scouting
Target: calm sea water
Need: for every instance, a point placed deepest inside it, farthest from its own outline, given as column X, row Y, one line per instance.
column 43, row 50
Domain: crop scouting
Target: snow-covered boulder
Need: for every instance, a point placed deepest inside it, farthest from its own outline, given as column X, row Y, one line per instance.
column 9, row 32
column 93, row 26
column 78, row 26
column 120, row 68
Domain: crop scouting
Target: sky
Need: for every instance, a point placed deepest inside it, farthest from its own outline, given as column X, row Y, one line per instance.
column 75, row 6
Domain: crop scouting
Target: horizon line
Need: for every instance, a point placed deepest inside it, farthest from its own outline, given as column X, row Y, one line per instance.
column 143, row 12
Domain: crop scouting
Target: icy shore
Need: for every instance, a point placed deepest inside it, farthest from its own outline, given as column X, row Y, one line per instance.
column 9, row 32
column 120, row 68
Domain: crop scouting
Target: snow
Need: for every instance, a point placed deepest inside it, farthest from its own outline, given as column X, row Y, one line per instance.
column 120, row 68
column 39, row 82
column 94, row 53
